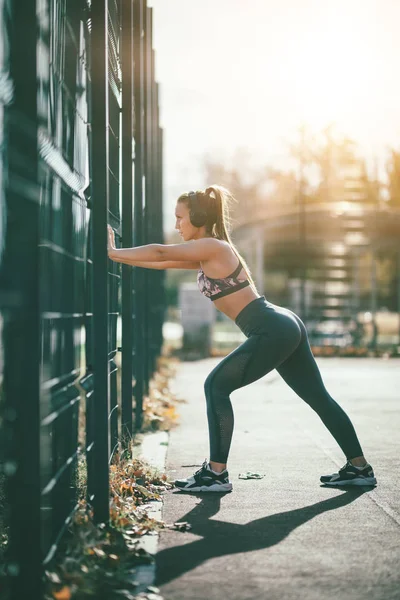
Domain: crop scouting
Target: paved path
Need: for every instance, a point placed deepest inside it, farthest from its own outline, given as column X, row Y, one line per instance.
column 286, row 537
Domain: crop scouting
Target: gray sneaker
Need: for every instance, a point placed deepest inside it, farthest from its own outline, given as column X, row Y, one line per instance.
column 204, row 480
column 350, row 475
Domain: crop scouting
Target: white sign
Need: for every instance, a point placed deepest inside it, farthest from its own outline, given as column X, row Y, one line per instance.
column 196, row 309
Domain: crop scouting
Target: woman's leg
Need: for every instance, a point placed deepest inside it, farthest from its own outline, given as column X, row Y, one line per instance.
column 300, row 371
column 253, row 359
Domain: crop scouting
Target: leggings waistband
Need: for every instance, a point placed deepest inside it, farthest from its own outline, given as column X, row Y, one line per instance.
column 251, row 309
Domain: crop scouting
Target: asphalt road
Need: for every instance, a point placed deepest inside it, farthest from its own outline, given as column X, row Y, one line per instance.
column 286, row 536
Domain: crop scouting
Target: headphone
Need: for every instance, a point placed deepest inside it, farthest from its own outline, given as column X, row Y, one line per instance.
column 198, row 216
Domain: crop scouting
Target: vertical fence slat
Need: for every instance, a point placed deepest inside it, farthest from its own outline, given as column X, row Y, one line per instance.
column 147, row 191
column 139, row 274
column 100, row 186
column 113, row 133
column 127, row 217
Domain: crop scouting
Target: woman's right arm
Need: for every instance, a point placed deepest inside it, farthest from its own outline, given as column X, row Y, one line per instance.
column 162, row 265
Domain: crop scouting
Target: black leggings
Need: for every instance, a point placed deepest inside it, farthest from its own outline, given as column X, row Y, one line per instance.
column 277, row 339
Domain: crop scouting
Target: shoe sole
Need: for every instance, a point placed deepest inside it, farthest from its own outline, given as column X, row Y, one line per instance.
column 225, row 487
column 355, row 481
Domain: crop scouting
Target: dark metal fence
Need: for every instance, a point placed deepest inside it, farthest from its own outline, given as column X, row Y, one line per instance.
column 81, row 147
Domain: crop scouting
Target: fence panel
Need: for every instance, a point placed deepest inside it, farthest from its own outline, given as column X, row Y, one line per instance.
column 73, row 158
column 63, row 152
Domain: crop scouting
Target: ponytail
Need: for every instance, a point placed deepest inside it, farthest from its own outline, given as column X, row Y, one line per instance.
column 220, row 198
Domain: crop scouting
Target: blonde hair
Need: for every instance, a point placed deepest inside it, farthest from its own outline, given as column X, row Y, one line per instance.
column 214, row 201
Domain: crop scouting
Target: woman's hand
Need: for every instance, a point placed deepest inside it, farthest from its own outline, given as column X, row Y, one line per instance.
column 111, row 241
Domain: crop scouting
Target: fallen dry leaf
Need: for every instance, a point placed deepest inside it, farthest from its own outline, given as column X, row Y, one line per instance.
column 63, row 594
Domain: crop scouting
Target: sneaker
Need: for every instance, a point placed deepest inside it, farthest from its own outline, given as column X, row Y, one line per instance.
column 350, row 475
column 204, row 480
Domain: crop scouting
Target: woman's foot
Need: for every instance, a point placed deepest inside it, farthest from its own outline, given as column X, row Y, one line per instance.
column 205, row 480
column 351, row 475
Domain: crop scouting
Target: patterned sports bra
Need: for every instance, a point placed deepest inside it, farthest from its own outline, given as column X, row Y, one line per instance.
column 217, row 288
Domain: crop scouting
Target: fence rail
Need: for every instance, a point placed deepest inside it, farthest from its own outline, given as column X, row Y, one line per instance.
column 81, row 147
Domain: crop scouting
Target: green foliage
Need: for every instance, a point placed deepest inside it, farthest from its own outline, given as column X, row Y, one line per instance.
column 326, row 167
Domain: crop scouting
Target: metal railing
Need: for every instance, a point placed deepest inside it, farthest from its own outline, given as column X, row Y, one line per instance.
column 81, row 147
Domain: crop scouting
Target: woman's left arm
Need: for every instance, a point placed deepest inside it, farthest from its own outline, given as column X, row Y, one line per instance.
column 197, row 250
column 149, row 252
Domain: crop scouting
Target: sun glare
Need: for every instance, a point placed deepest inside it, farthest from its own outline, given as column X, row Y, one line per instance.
column 332, row 73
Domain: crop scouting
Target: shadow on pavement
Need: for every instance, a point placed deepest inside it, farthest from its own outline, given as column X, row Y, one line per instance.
column 221, row 538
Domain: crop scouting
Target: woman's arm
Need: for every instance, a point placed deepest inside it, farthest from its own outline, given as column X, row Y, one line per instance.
column 194, row 251
column 161, row 265
column 147, row 253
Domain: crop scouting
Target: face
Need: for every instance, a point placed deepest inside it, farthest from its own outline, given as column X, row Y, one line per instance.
column 182, row 222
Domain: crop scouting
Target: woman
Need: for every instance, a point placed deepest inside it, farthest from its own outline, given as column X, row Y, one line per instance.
column 276, row 337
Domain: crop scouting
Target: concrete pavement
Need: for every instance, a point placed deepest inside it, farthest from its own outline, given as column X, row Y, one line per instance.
column 286, row 536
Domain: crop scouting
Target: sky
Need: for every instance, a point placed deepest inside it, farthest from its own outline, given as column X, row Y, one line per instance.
column 248, row 73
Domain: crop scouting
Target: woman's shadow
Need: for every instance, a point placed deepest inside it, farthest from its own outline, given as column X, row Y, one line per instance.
column 221, row 538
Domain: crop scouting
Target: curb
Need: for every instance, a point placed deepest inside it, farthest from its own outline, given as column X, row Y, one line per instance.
column 152, row 448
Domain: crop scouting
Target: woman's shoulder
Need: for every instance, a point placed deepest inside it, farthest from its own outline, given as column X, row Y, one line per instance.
column 224, row 259
column 223, row 249
column 213, row 242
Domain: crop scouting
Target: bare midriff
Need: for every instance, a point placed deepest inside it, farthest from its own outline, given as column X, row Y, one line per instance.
column 232, row 304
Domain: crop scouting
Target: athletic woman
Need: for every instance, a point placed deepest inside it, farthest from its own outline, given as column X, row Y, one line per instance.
column 276, row 337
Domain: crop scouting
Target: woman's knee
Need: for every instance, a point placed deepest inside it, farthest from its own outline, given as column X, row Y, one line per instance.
column 215, row 382
column 209, row 383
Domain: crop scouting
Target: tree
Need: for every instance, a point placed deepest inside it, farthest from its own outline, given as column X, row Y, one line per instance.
column 323, row 167
column 393, row 174
column 332, row 168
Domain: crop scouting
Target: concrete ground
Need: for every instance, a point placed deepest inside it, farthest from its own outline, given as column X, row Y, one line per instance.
column 287, row 537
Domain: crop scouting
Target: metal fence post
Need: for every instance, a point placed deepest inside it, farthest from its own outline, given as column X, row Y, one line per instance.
column 100, row 187
column 156, row 216
column 149, row 321
column 139, row 274
column 146, row 240
column 127, row 216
